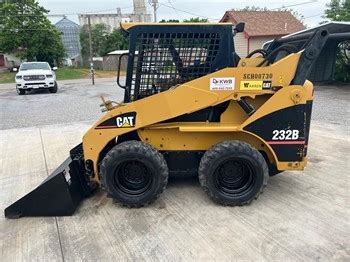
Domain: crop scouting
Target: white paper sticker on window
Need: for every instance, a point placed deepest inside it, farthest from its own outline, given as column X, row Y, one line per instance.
column 222, row 83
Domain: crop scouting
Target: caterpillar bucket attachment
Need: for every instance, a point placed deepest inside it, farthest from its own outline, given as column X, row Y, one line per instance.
column 57, row 195
column 192, row 106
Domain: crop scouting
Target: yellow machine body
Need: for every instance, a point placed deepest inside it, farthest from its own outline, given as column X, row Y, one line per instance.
column 196, row 95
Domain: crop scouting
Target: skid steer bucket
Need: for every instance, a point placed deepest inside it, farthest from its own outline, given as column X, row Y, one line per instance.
column 58, row 195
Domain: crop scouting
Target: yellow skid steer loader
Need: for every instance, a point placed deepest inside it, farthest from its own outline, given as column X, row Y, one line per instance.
column 191, row 106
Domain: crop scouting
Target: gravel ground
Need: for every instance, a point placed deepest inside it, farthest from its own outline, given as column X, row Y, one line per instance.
column 332, row 104
column 78, row 100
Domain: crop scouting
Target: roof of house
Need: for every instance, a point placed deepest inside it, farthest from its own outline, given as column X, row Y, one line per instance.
column 265, row 23
column 65, row 22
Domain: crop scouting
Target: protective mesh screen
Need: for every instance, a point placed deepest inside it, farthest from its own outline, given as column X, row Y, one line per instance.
column 165, row 60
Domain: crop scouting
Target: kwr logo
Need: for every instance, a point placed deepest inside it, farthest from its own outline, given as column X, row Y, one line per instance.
column 246, row 84
column 222, row 81
column 126, row 121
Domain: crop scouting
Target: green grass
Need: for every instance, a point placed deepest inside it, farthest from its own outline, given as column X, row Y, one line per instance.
column 63, row 74
column 7, row 77
column 70, row 73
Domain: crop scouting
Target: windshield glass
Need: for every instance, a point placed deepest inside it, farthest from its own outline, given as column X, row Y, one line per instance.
column 33, row 66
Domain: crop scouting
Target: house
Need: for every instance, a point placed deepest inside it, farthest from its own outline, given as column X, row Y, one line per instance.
column 260, row 27
column 71, row 40
column 111, row 60
column 9, row 61
column 2, row 60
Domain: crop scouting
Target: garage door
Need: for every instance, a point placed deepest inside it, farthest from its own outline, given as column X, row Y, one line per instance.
column 2, row 60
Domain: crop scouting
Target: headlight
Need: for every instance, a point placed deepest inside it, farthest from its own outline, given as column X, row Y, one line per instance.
column 49, row 76
column 18, row 77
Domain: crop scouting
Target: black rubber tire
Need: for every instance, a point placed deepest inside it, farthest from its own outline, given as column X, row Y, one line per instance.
column 54, row 88
column 20, row 91
column 143, row 155
column 244, row 155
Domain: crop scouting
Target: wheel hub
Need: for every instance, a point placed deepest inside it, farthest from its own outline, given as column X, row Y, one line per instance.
column 234, row 176
column 133, row 177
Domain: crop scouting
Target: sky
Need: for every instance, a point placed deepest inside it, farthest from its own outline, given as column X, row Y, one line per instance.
column 312, row 10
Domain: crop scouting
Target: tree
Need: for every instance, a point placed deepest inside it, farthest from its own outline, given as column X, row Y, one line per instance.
column 26, row 32
column 169, row 21
column 252, row 8
column 99, row 34
column 114, row 41
column 339, row 10
column 191, row 20
column 196, row 20
column 103, row 41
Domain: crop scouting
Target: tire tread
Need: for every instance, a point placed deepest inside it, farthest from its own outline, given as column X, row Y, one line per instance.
column 144, row 149
column 218, row 150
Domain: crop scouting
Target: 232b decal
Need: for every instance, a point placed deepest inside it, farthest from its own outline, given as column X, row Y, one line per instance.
column 285, row 134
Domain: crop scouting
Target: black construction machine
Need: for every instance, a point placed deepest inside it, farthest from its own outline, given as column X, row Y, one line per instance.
column 193, row 106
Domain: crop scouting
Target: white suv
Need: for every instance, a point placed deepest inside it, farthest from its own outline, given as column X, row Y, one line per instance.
column 35, row 75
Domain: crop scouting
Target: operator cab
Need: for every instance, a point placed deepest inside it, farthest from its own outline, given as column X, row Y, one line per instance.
column 162, row 56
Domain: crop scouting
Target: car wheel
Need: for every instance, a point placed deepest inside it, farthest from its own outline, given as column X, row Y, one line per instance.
column 54, row 88
column 20, row 91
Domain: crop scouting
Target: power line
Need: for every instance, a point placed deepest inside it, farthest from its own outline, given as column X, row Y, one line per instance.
column 22, row 15
column 32, row 15
column 187, row 12
column 178, row 14
column 171, row 6
column 25, row 29
column 286, row 6
column 66, row 14
column 215, row 19
column 128, row 7
column 313, row 16
column 99, row 11
column 106, row 10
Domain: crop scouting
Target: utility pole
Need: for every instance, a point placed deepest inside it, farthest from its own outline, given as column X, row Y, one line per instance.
column 92, row 71
column 155, row 5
